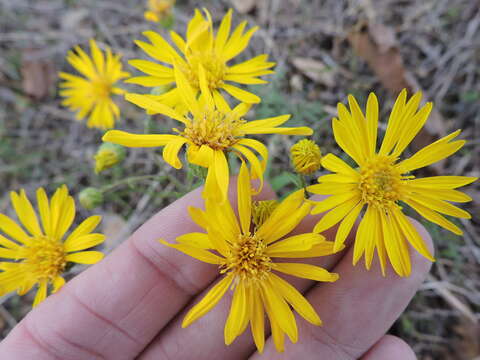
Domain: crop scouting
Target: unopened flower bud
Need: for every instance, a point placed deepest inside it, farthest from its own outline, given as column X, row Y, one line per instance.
column 90, row 198
column 306, row 157
column 261, row 211
column 108, row 155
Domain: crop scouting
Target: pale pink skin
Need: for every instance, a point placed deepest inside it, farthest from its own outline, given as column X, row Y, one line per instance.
column 132, row 304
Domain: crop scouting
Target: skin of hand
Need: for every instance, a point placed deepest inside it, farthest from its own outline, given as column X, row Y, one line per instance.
column 131, row 305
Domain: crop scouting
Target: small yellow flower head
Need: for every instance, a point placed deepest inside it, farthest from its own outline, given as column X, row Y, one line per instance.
column 91, row 96
column 158, row 10
column 306, row 157
column 38, row 253
column 108, row 155
column 90, row 198
column 261, row 211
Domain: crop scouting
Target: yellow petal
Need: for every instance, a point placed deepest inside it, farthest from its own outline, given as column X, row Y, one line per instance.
column 140, row 140
column 221, row 172
column 44, row 211
column 58, row 283
column 85, row 257
column 292, row 244
column 208, row 302
column 333, row 201
column 187, row 94
column 442, row 182
column 278, row 309
column 297, row 300
column 196, row 239
column 86, row 227
column 205, row 91
column 83, row 242
column 223, row 32
column 199, row 254
column 287, row 225
column 411, row 234
column 372, row 122
column 11, row 228
column 170, row 152
column 257, row 167
column 9, row 244
column 244, row 193
column 346, row 226
column 25, row 212
column 306, row 271
column 241, row 95
column 433, row 216
column 334, row 216
column 41, row 294
column 257, row 317
column 155, row 107
column 396, row 247
column 440, row 206
column 432, row 153
column 198, row 216
column 238, row 314
column 335, row 164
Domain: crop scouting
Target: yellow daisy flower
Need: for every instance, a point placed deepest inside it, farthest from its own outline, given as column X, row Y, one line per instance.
column 246, row 260
column 158, row 10
column 209, row 131
column 212, row 52
column 91, row 95
column 383, row 183
column 39, row 255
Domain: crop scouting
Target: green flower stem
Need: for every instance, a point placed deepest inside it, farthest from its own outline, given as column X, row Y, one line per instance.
column 129, row 180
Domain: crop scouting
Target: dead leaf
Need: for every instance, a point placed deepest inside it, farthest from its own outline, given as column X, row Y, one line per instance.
column 38, row 74
column 315, row 70
column 467, row 343
column 377, row 45
column 244, row 6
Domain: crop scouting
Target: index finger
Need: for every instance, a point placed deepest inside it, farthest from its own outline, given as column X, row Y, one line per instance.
column 115, row 308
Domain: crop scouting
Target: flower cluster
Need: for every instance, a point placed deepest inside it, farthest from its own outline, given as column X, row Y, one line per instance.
column 201, row 85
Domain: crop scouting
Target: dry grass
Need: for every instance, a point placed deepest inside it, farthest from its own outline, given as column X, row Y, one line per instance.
column 438, row 40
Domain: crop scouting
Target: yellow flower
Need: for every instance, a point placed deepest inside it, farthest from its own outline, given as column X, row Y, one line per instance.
column 108, row 155
column 247, row 261
column 91, row 95
column 209, row 131
column 39, row 255
column 306, row 157
column 384, row 184
column 212, row 52
column 158, row 10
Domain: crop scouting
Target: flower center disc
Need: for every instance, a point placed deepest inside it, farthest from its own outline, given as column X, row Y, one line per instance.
column 247, row 259
column 380, row 182
column 214, row 70
column 101, row 89
column 214, row 129
column 46, row 257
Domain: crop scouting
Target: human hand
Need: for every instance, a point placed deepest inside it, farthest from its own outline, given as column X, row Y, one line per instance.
column 132, row 303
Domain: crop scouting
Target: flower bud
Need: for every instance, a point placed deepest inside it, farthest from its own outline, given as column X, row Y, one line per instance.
column 108, row 155
column 160, row 11
column 90, row 198
column 261, row 211
column 306, row 157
